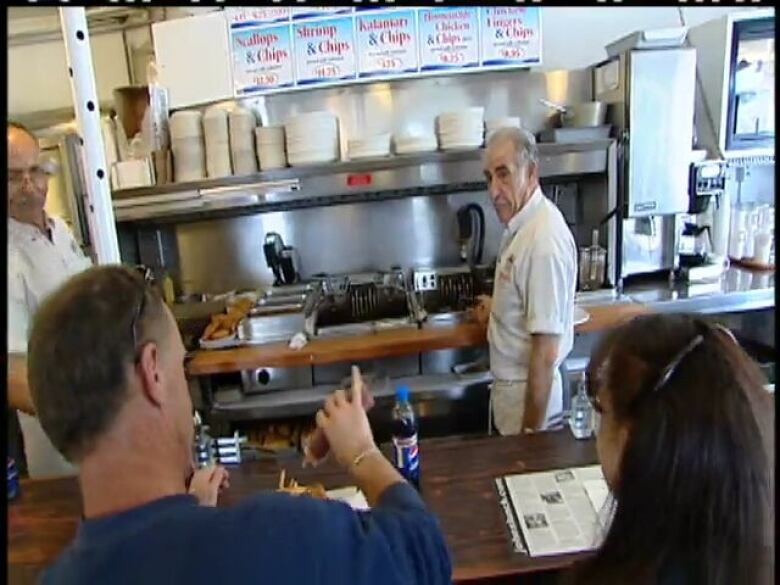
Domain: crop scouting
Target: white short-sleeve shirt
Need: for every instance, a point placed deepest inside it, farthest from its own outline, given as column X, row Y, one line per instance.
column 37, row 266
column 534, row 288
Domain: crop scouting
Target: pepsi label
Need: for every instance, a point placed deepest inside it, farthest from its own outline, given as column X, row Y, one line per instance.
column 407, row 457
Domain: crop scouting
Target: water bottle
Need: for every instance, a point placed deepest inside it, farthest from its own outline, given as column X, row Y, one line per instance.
column 406, row 453
column 581, row 418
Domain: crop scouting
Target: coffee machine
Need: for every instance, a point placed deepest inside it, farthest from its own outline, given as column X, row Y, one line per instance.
column 702, row 241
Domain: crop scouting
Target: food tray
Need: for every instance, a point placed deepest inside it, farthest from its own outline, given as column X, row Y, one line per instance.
column 226, row 342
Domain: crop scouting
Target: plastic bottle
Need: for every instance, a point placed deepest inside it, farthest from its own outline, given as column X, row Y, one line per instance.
column 581, row 419
column 406, row 453
column 13, row 479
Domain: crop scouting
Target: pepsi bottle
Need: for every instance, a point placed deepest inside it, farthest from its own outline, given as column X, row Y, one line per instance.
column 406, row 454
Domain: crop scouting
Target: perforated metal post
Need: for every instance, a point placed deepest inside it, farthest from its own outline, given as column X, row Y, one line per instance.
column 98, row 206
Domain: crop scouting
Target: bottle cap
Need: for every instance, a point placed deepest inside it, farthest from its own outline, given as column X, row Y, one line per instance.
column 402, row 393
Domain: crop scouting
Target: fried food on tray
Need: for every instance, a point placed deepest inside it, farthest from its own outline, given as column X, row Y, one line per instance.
column 225, row 324
column 315, row 490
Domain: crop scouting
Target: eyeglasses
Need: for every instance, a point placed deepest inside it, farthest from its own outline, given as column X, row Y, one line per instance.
column 148, row 281
column 669, row 370
column 592, row 393
column 36, row 173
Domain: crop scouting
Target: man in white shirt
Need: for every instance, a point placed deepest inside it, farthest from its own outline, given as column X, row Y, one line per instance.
column 42, row 255
column 530, row 315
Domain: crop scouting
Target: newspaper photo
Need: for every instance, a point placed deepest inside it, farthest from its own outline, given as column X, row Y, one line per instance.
column 557, row 512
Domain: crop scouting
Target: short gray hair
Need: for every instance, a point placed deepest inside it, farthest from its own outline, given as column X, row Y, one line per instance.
column 523, row 141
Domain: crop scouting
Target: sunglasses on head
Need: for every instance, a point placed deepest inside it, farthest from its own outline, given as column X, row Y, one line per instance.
column 591, row 386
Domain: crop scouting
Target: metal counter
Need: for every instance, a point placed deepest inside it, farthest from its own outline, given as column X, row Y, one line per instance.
column 739, row 290
column 736, row 291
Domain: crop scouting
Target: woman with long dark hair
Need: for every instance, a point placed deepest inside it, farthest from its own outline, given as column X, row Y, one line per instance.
column 686, row 443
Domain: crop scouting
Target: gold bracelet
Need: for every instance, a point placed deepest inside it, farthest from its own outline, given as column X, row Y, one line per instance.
column 370, row 451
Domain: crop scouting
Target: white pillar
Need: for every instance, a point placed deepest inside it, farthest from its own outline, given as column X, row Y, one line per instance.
column 98, row 206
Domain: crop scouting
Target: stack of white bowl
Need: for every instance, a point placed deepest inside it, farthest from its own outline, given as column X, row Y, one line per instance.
column 215, row 128
column 497, row 123
column 189, row 153
column 312, row 138
column 369, row 147
column 242, row 141
column 269, row 141
column 412, row 143
column 460, row 130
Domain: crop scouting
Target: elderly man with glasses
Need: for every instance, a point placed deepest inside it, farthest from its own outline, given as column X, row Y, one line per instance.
column 42, row 254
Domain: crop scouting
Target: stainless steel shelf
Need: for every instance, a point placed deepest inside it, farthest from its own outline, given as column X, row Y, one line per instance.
column 342, row 182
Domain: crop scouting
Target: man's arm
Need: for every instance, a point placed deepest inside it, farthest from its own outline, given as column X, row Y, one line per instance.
column 541, row 370
column 400, row 539
column 19, row 397
column 548, row 301
column 18, row 326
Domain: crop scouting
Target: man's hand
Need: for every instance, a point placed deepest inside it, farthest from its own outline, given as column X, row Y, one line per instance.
column 207, row 483
column 18, row 389
column 482, row 309
column 345, row 424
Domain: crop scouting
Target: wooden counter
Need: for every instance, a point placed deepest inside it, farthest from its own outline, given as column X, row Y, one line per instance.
column 378, row 345
column 457, row 483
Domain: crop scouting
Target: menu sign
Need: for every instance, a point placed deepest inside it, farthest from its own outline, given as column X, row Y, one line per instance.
column 324, row 50
column 278, row 47
column 262, row 59
column 448, row 38
column 387, row 43
column 253, row 15
column 510, row 36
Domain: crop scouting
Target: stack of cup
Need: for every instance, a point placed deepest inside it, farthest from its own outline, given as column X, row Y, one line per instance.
column 215, row 127
column 242, row 141
column 270, row 147
column 189, row 153
column 494, row 124
column 738, row 233
column 763, row 239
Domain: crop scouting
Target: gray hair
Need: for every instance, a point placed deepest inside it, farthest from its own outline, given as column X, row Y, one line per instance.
column 523, row 141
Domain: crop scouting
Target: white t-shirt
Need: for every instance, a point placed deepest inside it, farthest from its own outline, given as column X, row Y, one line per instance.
column 533, row 292
column 37, row 266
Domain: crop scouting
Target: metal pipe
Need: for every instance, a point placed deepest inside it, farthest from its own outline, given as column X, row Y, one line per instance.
column 99, row 209
column 101, row 26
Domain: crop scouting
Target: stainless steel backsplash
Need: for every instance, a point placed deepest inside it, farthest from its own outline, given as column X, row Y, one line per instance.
column 226, row 254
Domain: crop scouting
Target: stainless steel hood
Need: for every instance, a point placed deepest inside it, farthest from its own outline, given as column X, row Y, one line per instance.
column 346, row 182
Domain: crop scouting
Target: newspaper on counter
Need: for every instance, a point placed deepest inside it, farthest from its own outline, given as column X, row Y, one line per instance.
column 556, row 512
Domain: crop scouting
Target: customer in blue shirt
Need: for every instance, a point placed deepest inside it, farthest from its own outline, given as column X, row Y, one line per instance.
column 107, row 379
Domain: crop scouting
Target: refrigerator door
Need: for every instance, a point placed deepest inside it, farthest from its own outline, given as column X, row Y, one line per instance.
column 661, row 89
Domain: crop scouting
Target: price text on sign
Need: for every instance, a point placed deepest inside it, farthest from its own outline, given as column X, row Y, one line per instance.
column 387, row 43
column 324, row 50
column 448, row 37
column 262, row 58
column 510, row 36
column 248, row 15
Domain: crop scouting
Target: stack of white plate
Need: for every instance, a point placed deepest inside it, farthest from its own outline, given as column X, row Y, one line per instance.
column 369, row 147
column 312, row 138
column 215, row 128
column 189, row 153
column 461, row 130
column 270, row 147
column 242, row 141
column 497, row 123
column 406, row 143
